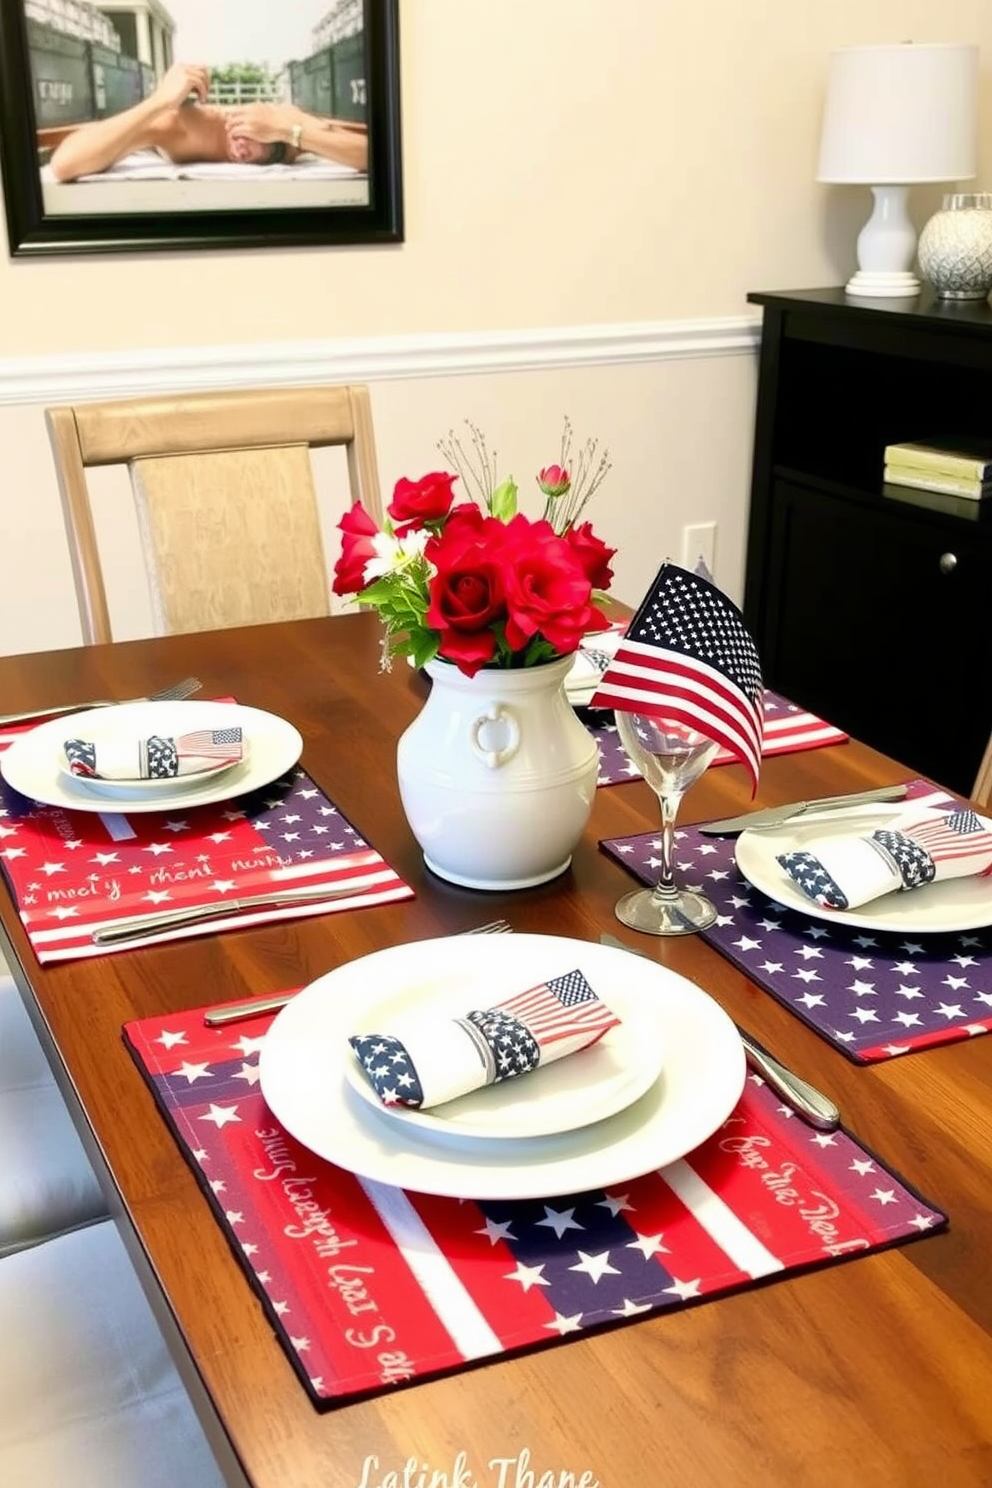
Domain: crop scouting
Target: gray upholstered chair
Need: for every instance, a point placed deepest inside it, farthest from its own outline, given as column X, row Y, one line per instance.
column 46, row 1183
column 88, row 1393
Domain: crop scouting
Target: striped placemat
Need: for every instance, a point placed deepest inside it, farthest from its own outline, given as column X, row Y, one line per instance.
column 73, row 872
column 369, row 1286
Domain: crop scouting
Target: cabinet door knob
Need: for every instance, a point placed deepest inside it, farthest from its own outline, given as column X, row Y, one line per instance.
column 948, row 563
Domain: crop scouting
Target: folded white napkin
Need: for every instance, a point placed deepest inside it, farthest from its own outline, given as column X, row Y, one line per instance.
column 428, row 1060
column 160, row 757
column 919, row 846
column 589, row 664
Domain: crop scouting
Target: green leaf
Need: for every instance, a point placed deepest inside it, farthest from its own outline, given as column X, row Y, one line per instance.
column 539, row 650
column 423, row 647
column 503, row 501
column 502, row 656
column 379, row 593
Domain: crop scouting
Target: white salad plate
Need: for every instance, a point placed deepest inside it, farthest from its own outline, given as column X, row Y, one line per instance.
column 305, row 1062
column 34, row 763
column 954, row 905
column 575, row 1091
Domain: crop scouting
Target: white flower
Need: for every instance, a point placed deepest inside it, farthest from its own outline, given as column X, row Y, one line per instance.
column 394, row 553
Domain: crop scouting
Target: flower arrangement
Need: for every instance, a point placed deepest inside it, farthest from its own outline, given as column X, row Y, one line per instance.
column 477, row 582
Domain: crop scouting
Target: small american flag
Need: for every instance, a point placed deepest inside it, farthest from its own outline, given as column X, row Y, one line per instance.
column 215, row 743
column 161, row 757
column 955, row 845
column 960, row 834
column 564, row 1008
column 687, row 656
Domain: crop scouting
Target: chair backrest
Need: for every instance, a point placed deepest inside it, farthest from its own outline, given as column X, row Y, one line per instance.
column 981, row 791
column 226, row 506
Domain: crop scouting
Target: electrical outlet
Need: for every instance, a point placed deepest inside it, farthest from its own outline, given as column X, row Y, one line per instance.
column 699, row 544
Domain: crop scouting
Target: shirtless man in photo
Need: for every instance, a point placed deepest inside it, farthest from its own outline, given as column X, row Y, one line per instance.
column 177, row 121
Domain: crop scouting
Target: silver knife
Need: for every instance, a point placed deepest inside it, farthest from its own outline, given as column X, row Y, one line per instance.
column 773, row 815
column 235, row 1011
column 138, row 925
column 803, row 1097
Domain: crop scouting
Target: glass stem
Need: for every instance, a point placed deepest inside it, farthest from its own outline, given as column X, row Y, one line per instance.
column 665, row 890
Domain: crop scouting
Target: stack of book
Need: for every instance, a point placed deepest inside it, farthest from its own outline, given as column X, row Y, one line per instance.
column 954, row 466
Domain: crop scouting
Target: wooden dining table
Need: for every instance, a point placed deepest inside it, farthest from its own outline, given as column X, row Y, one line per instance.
column 872, row 1371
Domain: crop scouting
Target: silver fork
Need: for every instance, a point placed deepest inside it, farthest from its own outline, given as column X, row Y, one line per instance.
column 174, row 694
column 233, row 1012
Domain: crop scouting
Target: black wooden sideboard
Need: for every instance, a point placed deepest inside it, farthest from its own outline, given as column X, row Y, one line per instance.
column 872, row 604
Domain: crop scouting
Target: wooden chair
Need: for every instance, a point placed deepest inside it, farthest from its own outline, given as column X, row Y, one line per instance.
column 225, row 499
column 981, row 791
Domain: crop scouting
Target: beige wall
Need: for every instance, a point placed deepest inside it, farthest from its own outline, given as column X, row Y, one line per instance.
column 675, row 459
column 566, row 163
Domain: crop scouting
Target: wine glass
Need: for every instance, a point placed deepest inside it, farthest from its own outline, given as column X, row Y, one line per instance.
column 670, row 756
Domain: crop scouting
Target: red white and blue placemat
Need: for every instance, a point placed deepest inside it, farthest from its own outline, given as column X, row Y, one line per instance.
column 368, row 1286
column 874, row 995
column 71, row 872
column 788, row 729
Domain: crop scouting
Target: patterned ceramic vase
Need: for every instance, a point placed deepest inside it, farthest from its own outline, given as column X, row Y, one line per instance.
column 497, row 775
column 955, row 249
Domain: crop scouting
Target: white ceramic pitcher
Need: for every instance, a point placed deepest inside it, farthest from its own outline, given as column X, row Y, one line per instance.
column 497, row 775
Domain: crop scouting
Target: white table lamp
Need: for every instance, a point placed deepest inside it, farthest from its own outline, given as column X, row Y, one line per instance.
column 894, row 116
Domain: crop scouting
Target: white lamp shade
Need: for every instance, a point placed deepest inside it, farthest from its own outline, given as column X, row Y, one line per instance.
column 902, row 113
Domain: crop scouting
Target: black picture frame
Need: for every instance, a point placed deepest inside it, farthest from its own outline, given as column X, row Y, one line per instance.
column 32, row 231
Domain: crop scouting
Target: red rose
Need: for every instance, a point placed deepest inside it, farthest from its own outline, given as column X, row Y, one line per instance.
column 466, row 517
column 592, row 553
column 415, row 503
column 466, row 593
column 357, row 529
column 547, row 590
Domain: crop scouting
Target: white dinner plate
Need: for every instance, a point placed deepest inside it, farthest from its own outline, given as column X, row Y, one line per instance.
column 301, row 1071
column 576, row 1091
column 955, row 905
column 32, row 764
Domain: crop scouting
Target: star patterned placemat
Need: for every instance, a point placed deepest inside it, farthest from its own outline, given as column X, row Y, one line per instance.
column 72, row 872
column 788, row 729
column 368, row 1286
column 874, row 995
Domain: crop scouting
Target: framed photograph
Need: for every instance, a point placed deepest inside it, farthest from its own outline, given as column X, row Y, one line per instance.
column 165, row 124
